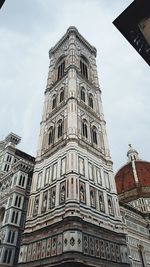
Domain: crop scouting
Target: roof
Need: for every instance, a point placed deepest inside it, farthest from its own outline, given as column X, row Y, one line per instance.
column 133, row 180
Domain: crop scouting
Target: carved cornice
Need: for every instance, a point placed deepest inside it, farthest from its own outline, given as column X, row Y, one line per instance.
column 72, row 30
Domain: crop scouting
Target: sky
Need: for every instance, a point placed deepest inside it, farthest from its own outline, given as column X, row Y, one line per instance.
column 29, row 28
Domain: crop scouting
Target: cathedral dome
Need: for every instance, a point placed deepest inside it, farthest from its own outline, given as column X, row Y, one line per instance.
column 133, row 179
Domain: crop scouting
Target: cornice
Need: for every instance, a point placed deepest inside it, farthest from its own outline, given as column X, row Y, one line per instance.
column 72, row 30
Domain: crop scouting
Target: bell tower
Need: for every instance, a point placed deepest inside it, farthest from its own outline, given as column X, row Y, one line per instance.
column 73, row 216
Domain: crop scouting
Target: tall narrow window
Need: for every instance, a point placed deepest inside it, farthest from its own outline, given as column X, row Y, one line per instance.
column 61, row 69
column 83, row 69
column 60, row 129
column 91, row 100
column 94, row 135
column 51, row 136
column 7, row 256
column 83, row 94
column 54, row 102
column 61, row 96
column 84, row 129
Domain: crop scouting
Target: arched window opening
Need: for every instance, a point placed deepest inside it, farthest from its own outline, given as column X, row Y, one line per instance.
column 83, row 69
column 61, row 96
column 94, row 135
column 16, row 201
column 84, row 129
column 20, row 180
column 91, row 101
column 13, row 217
column 2, row 213
column 51, row 136
column 54, row 102
column 23, row 181
column 82, row 94
column 60, row 129
column 61, row 70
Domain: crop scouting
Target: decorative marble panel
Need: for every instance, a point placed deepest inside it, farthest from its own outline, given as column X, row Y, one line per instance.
column 48, row 249
column 82, row 192
column 54, row 246
column 59, row 245
column 62, row 192
column 43, row 253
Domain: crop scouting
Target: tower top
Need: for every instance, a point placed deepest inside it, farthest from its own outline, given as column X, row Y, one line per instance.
column 72, row 30
column 12, row 138
column 132, row 154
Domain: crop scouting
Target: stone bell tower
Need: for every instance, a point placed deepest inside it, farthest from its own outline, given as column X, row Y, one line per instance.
column 73, row 216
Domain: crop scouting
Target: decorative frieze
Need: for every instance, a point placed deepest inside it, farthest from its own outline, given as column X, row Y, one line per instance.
column 73, row 241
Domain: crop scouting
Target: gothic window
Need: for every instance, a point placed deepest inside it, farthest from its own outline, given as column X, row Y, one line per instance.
column 101, row 202
column 54, row 102
column 6, row 168
column 94, row 135
column 62, row 95
column 61, row 70
column 9, row 157
column 11, row 237
column 51, row 136
column 2, row 213
column 83, row 69
column 7, row 256
column 14, row 218
column 18, row 201
column 21, row 180
column 60, row 129
column 83, row 94
column 91, row 100
column 84, row 129
column 110, row 206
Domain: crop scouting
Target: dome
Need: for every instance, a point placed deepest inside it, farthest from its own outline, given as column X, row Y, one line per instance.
column 133, row 179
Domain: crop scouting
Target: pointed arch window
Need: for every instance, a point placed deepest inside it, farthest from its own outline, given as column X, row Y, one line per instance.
column 62, row 95
column 51, row 136
column 84, row 129
column 94, row 135
column 91, row 101
column 60, row 129
column 54, row 102
column 83, row 69
column 61, row 69
column 83, row 94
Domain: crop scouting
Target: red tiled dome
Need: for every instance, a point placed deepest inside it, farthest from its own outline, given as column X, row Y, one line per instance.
column 130, row 187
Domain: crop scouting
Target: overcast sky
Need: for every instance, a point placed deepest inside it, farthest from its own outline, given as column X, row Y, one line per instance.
column 29, row 28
